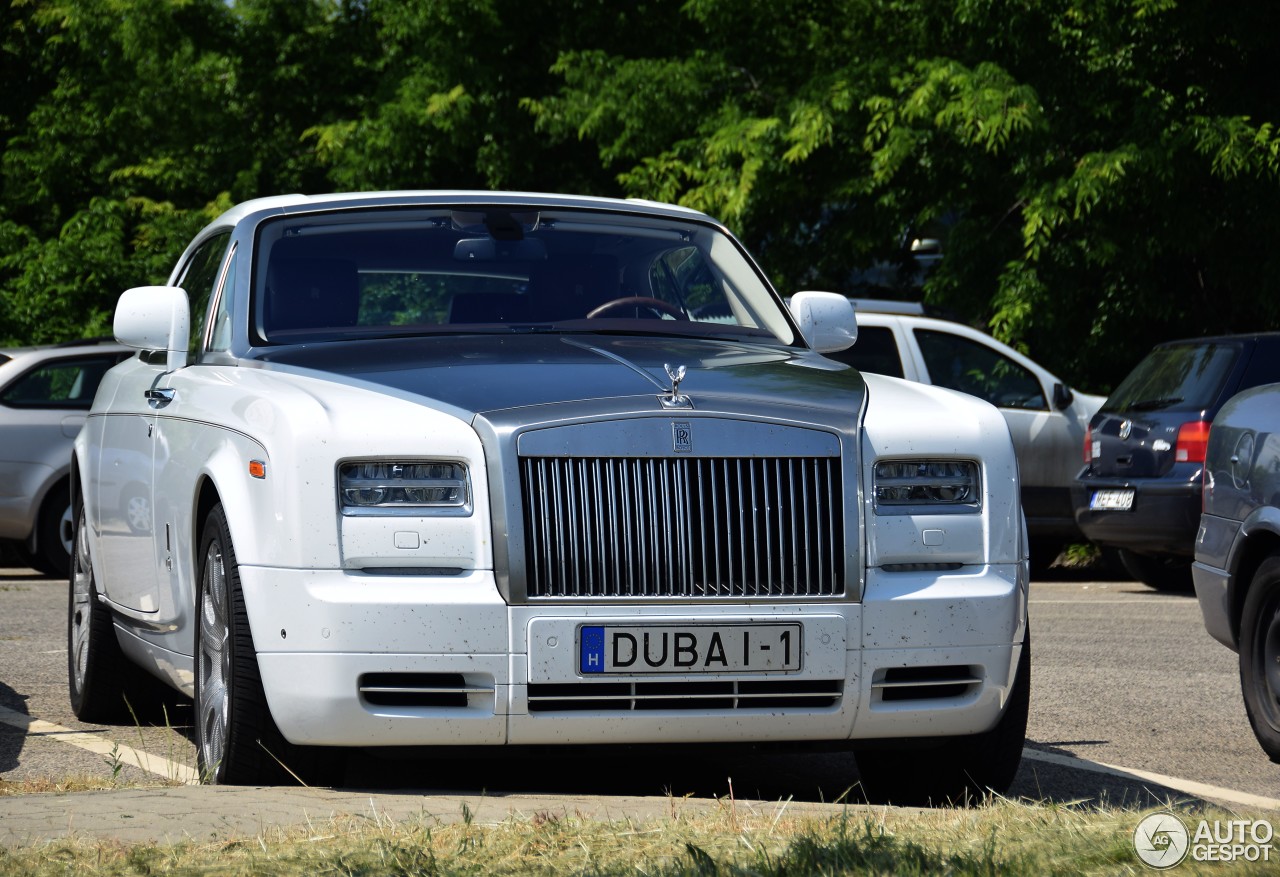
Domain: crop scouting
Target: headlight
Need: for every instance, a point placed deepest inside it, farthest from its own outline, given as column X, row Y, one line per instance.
column 935, row 484
column 379, row 488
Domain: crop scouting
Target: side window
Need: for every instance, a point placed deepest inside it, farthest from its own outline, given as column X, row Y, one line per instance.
column 961, row 364
column 220, row 334
column 67, row 383
column 875, row 351
column 198, row 279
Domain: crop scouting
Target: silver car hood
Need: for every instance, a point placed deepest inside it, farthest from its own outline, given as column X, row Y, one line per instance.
column 486, row 374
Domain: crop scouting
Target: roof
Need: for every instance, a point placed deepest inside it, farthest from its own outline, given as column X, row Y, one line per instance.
column 298, row 202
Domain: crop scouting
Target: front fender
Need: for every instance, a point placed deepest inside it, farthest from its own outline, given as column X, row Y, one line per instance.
column 1256, row 540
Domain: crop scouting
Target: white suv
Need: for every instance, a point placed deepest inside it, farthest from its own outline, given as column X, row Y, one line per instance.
column 1046, row 418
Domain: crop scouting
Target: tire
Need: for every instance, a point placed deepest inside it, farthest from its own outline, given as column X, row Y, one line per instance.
column 1260, row 655
column 237, row 741
column 55, row 533
column 101, row 681
column 958, row 771
column 1162, row 572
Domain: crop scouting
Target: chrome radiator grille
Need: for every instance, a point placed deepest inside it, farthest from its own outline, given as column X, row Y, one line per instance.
column 683, row 527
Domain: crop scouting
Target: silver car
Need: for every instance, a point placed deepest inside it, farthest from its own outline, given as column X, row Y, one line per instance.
column 45, row 394
column 1237, row 565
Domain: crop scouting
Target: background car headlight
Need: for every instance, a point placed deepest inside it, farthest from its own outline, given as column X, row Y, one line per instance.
column 430, row 487
column 948, row 483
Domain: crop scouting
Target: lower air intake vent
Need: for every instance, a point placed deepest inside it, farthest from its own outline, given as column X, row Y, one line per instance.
column 812, row 694
column 419, row 690
column 925, row 683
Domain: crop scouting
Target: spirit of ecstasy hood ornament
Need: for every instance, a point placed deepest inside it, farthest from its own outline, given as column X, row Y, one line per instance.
column 674, row 398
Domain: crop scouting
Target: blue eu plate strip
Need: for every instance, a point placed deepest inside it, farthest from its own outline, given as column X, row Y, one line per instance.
column 591, row 650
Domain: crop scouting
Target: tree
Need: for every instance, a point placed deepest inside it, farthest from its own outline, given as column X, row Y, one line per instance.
column 1103, row 171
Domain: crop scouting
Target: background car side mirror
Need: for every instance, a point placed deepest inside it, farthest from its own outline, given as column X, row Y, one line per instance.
column 1062, row 395
column 155, row 318
column 826, row 320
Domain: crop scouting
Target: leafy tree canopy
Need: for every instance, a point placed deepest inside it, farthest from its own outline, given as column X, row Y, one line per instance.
column 1102, row 173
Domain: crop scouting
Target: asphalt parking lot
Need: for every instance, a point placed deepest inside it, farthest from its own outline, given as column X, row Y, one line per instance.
column 1132, row 703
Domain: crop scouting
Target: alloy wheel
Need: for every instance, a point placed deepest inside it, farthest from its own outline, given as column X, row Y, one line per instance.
column 81, row 608
column 213, row 698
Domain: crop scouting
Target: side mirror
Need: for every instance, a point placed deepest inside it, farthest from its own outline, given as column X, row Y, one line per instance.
column 1062, row 396
column 155, row 318
column 826, row 320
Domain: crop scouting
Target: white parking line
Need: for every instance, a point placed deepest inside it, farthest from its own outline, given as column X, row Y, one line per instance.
column 1146, row 602
column 34, row 727
column 1190, row 787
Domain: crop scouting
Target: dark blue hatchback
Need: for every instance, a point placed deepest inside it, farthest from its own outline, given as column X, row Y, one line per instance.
column 1139, row 491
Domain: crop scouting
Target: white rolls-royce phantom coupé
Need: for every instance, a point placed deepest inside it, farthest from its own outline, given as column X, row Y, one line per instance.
column 436, row 469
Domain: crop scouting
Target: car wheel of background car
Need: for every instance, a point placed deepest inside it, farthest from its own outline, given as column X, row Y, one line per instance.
column 55, row 534
column 136, row 507
column 1163, row 573
column 100, row 678
column 960, row 770
column 1260, row 655
column 237, row 741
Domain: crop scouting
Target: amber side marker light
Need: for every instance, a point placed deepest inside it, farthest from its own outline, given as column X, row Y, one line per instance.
column 257, row 469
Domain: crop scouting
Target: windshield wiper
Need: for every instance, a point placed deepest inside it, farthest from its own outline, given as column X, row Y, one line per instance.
column 1153, row 404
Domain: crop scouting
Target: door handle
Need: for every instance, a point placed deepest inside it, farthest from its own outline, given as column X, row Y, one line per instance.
column 158, row 398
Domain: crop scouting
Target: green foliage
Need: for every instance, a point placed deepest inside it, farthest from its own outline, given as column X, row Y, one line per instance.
column 1103, row 173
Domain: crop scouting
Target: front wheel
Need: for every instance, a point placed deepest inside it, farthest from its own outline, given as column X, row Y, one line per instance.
column 237, row 741
column 959, row 770
column 1260, row 655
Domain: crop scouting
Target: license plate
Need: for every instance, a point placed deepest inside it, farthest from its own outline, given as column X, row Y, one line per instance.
column 1111, row 500
column 689, row 648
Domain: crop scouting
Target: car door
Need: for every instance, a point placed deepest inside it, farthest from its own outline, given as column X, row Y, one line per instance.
column 179, row 419
column 1047, row 440
column 122, row 473
column 135, row 512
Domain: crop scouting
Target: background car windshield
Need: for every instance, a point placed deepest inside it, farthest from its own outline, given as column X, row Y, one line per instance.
column 404, row 272
column 1181, row 376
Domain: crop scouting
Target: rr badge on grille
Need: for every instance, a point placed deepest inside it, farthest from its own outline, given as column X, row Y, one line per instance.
column 681, row 437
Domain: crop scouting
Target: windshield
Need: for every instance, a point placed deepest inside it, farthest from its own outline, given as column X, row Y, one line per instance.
column 1186, row 377
column 397, row 272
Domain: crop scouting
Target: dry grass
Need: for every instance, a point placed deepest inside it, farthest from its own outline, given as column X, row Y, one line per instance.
column 66, row 784
column 999, row 838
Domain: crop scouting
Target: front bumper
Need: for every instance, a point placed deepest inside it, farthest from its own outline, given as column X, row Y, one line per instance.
column 925, row 654
column 1163, row 519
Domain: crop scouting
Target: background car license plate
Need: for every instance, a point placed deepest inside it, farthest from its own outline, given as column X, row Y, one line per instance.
column 691, row 648
column 1111, row 500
